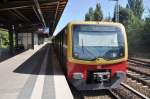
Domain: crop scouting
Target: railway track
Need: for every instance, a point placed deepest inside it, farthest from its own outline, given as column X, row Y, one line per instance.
column 102, row 94
column 138, row 76
column 139, row 67
column 143, row 89
column 99, row 94
column 127, row 92
column 134, row 91
column 139, row 63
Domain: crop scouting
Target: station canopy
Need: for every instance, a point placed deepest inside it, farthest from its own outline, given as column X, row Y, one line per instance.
column 30, row 15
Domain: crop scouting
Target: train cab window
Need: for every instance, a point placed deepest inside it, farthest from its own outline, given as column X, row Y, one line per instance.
column 95, row 41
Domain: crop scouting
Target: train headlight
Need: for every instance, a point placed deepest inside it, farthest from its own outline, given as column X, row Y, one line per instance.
column 76, row 54
column 77, row 75
column 114, row 54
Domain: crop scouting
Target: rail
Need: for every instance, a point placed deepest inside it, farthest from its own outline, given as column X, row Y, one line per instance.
column 134, row 91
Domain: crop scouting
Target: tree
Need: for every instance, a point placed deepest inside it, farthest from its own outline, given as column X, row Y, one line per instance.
column 137, row 7
column 133, row 25
column 98, row 16
column 125, row 16
column 146, row 32
column 87, row 17
column 90, row 15
column 94, row 15
column 4, row 42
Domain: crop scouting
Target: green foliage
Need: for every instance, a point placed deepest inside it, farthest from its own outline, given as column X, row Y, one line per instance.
column 146, row 31
column 125, row 16
column 137, row 7
column 87, row 16
column 138, row 29
column 4, row 36
column 94, row 15
column 134, row 32
column 138, row 38
column 90, row 15
column 98, row 16
column 130, row 17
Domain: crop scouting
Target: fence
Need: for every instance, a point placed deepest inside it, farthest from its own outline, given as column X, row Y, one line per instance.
column 4, row 53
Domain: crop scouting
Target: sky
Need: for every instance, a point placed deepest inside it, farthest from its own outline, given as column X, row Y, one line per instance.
column 75, row 10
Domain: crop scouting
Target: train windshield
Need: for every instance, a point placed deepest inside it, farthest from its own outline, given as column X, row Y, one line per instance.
column 95, row 41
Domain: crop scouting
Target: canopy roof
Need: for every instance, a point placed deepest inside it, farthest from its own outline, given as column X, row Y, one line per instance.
column 31, row 14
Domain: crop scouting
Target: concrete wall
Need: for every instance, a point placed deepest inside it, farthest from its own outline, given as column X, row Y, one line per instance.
column 4, row 52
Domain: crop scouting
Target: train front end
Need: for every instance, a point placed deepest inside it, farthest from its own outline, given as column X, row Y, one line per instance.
column 97, row 55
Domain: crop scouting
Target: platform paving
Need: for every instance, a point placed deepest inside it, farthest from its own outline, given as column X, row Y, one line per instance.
column 34, row 74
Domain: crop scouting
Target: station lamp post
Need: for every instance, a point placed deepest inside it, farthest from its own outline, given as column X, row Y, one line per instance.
column 0, row 45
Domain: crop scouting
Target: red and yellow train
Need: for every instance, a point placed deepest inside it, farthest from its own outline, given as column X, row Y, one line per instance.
column 93, row 54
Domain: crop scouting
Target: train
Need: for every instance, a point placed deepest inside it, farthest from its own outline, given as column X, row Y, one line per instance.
column 92, row 54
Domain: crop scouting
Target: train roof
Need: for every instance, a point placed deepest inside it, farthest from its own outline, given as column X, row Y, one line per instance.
column 96, row 22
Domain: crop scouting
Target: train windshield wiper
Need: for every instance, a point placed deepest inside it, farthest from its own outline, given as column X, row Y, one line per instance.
column 89, row 51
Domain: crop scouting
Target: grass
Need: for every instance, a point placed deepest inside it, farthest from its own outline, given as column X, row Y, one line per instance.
column 4, row 38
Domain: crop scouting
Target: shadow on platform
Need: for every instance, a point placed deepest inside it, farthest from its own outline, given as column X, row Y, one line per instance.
column 33, row 64
column 8, row 55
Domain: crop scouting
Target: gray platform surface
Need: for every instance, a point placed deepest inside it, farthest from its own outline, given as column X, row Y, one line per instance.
column 34, row 74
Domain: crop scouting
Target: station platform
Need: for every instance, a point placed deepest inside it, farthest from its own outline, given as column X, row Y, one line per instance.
column 33, row 74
